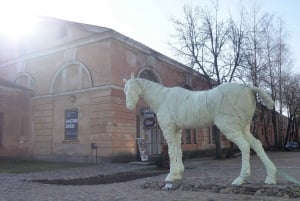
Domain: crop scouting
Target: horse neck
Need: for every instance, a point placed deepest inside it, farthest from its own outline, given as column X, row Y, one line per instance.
column 150, row 93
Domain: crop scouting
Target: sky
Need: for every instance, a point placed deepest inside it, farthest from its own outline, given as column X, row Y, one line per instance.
column 146, row 21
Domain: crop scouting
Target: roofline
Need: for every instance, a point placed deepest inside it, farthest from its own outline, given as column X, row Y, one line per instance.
column 102, row 34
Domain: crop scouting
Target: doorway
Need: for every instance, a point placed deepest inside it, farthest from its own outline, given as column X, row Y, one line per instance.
column 148, row 128
column 150, row 132
column 154, row 141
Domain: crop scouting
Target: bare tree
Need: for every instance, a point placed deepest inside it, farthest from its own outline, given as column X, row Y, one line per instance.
column 271, row 71
column 235, row 52
column 248, row 47
column 275, row 57
column 283, row 62
column 201, row 39
column 252, row 50
column 291, row 94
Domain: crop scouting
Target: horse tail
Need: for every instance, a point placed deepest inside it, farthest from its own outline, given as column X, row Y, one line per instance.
column 266, row 97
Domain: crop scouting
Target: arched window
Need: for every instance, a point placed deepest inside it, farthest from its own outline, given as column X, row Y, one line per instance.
column 25, row 80
column 149, row 75
column 71, row 76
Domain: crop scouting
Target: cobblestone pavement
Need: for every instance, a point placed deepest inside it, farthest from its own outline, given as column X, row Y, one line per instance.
column 16, row 187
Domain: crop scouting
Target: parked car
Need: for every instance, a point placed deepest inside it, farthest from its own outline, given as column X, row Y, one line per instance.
column 291, row 145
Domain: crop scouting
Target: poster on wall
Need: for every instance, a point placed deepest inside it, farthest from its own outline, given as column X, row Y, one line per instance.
column 149, row 118
column 142, row 149
column 149, row 122
column 71, row 124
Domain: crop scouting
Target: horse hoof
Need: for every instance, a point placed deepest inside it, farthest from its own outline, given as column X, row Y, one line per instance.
column 238, row 181
column 270, row 181
column 170, row 186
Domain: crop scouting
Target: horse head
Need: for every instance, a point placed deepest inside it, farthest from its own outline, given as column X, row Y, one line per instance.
column 132, row 91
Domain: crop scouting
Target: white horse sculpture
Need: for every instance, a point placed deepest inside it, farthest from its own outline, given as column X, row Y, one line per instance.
column 229, row 106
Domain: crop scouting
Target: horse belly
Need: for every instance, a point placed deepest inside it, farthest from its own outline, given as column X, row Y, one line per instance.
column 197, row 124
column 194, row 113
column 195, row 119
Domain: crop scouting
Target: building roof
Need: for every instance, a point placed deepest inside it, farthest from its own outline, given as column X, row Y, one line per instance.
column 101, row 33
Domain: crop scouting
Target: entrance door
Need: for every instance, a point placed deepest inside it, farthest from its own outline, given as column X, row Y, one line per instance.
column 1, row 129
column 153, row 140
column 157, row 141
column 148, row 129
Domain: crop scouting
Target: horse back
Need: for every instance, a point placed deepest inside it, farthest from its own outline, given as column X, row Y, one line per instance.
column 235, row 100
column 187, row 109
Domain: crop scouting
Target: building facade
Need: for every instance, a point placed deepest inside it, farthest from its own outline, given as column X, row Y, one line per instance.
column 66, row 92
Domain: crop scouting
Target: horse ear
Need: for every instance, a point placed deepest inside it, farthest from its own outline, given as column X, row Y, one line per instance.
column 124, row 80
column 132, row 75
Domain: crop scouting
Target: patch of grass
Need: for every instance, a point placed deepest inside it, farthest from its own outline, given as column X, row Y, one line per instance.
column 23, row 166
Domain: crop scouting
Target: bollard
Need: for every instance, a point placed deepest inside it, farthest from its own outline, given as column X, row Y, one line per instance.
column 94, row 147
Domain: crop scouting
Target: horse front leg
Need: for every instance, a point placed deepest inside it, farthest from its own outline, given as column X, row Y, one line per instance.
column 173, row 139
column 178, row 150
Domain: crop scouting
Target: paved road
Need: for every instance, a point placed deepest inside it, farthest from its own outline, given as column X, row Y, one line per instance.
column 15, row 187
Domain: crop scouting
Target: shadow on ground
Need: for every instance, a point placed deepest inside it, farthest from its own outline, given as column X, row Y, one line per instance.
column 102, row 179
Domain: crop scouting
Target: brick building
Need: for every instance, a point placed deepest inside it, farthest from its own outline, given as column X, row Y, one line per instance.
column 62, row 91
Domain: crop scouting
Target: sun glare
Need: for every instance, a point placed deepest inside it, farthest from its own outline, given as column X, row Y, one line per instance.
column 16, row 25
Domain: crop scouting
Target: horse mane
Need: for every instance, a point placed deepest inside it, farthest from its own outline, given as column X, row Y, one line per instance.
column 148, row 84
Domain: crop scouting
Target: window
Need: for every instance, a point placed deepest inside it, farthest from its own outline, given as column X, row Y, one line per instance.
column 25, row 80
column 71, row 124
column 211, row 135
column 149, row 75
column 71, row 76
column 195, row 136
column 214, row 131
column 188, row 136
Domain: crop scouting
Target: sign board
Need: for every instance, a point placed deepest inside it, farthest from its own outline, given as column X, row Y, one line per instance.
column 149, row 122
column 71, row 124
column 142, row 149
column 147, row 112
column 149, row 118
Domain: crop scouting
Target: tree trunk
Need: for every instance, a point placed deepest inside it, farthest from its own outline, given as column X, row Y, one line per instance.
column 288, row 131
column 265, row 130
column 274, row 122
column 216, row 133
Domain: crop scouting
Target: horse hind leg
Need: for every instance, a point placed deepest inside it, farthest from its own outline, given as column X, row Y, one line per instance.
column 244, row 147
column 257, row 147
column 230, row 126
